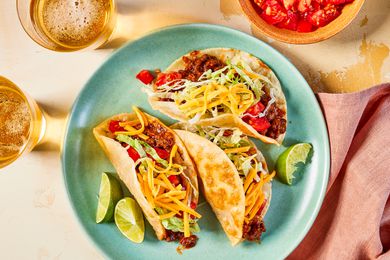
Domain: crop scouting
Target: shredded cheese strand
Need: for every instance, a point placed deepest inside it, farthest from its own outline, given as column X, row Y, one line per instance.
column 237, row 150
column 186, row 225
column 185, row 208
column 168, row 215
column 167, row 206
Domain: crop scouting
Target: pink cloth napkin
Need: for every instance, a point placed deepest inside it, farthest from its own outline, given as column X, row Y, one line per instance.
column 354, row 220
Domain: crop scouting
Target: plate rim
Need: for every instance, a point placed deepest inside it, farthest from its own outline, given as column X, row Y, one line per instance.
column 327, row 157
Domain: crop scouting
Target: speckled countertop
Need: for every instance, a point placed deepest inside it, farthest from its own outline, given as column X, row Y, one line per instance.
column 36, row 220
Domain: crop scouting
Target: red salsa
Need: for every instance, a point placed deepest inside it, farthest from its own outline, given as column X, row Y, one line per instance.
column 299, row 15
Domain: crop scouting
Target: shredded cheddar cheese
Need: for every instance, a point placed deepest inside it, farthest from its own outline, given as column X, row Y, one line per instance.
column 238, row 98
column 186, row 208
column 269, row 177
column 170, row 207
column 237, row 150
column 251, row 175
column 152, row 176
column 257, row 206
column 186, row 225
column 168, row 215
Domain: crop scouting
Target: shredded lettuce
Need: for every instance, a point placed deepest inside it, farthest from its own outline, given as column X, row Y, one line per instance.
column 133, row 143
column 176, row 224
column 142, row 148
column 246, row 164
column 153, row 153
column 230, row 75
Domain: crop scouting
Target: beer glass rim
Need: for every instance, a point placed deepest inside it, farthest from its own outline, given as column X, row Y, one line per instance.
column 24, row 26
column 36, row 36
column 26, row 98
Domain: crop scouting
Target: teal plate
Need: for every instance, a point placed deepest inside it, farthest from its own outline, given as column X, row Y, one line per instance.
column 114, row 88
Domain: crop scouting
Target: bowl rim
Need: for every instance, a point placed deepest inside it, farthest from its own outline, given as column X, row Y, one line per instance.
column 319, row 35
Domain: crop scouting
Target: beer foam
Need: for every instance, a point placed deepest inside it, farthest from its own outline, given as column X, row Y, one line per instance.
column 75, row 22
column 15, row 120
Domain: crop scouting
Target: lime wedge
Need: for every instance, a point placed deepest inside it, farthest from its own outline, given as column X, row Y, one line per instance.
column 109, row 194
column 288, row 160
column 129, row 220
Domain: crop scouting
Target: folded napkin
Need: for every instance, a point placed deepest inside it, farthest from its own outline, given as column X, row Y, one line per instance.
column 354, row 220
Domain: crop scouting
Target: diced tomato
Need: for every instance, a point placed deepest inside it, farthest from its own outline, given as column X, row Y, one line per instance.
column 227, row 133
column 114, row 126
column 273, row 12
column 299, row 15
column 291, row 22
column 304, row 26
column 259, row 3
column 162, row 153
column 338, row 2
column 163, row 78
column 259, row 124
column 255, row 109
column 174, row 179
column 304, row 5
column 261, row 208
column 289, row 4
column 133, row 153
column 323, row 16
column 193, row 204
column 145, row 76
column 321, row 2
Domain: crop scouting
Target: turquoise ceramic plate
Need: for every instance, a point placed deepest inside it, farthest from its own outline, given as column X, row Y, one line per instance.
column 114, row 88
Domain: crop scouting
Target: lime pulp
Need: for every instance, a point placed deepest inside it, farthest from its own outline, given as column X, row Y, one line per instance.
column 129, row 220
column 109, row 194
column 287, row 162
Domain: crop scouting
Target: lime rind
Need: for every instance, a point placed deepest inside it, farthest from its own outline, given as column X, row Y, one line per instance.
column 287, row 162
column 110, row 193
column 129, row 220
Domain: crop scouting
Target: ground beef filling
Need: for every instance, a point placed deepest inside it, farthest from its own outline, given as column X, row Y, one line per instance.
column 196, row 65
column 252, row 231
column 275, row 116
column 159, row 136
column 186, row 242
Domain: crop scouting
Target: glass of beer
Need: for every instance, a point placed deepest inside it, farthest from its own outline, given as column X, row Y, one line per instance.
column 22, row 124
column 68, row 25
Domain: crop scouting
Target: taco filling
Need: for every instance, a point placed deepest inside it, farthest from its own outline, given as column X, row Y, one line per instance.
column 252, row 170
column 208, row 87
column 161, row 175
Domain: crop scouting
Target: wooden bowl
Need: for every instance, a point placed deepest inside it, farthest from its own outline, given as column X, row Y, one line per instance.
column 348, row 13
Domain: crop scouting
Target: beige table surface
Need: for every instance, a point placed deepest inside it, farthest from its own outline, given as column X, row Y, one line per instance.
column 36, row 220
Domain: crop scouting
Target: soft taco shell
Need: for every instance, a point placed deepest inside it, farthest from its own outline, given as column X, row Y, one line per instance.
column 125, row 166
column 227, row 120
column 222, row 186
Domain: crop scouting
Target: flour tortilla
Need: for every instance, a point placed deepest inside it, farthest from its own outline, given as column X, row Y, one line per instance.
column 222, row 186
column 227, row 120
column 125, row 166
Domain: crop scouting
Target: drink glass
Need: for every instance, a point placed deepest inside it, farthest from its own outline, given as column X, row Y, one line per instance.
column 22, row 123
column 68, row 25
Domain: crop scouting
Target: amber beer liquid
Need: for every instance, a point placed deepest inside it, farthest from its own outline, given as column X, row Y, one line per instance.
column 69, row 25
column 21, row 122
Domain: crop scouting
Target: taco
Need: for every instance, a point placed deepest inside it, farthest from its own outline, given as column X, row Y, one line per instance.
column 234, row 176
column 223, row 87
column 154, row 165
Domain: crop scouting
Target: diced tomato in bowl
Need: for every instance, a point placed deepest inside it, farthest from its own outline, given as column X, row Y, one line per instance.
column 299, row 15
